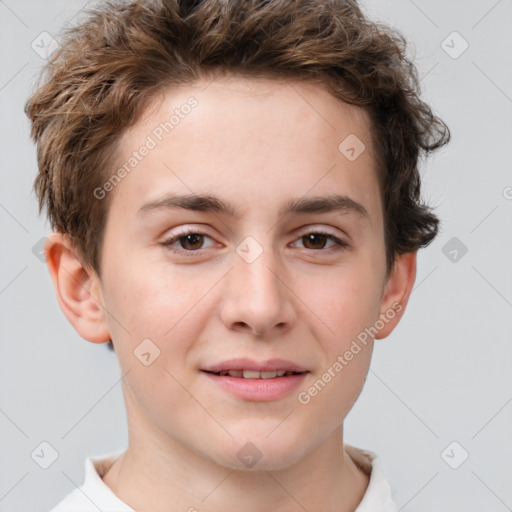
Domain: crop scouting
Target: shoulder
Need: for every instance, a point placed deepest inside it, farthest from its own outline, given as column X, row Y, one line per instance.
column 75, row 501
column 93, row 494
column 378, row 495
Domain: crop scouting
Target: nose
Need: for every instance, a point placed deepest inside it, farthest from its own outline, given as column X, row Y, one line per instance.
column 256, row 297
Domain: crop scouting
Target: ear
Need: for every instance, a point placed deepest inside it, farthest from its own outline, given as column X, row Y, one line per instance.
column 78, row 289
column 396, row 292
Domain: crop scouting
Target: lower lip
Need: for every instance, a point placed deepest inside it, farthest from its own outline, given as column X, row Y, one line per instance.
column 259, row 390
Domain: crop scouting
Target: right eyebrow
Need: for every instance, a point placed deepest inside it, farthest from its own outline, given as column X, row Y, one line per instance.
column 200, row 203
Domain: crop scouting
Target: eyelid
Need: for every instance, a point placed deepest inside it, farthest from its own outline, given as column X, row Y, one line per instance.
column 318, row 229
column 168, row 242
column 339, row 243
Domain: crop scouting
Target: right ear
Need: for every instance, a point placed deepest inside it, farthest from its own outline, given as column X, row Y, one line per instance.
column 78, row 289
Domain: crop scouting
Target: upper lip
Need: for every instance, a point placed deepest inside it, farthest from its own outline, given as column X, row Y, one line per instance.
column 259, row 366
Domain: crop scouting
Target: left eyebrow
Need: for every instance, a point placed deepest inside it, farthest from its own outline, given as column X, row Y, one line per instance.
column 324, row 204
column 206, row 203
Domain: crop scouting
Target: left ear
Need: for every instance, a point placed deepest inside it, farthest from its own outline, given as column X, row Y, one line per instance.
column 396, row 292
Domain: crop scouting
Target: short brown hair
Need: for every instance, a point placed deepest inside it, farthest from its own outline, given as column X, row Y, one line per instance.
column 123, row 54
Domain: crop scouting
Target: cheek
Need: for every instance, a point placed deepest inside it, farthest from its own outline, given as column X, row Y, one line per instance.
column 141, row 298
column 347, row 378
column 138, row 306
column 343, row 302
column 153, row 303
column 346, row 346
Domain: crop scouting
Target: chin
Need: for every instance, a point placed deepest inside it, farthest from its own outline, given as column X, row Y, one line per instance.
column 262, row 452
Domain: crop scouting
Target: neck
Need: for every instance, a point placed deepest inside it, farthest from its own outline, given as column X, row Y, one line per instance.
column 148, row 477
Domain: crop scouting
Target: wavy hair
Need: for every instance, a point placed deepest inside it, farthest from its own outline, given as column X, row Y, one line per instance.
column 116, row 60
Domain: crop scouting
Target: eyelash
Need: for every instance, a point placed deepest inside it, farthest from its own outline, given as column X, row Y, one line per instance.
column 190, row 252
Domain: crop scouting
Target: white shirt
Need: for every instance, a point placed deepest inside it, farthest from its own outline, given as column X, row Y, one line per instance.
column 94, row 494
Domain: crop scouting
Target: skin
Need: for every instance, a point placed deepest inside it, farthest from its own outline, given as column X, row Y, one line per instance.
column 254, row 144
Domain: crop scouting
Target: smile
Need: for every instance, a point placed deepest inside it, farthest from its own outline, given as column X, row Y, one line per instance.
column 257, row 386
column 252, row 374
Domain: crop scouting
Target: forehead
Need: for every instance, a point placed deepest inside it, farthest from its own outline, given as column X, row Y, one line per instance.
column 234, row 100
column 275, row 134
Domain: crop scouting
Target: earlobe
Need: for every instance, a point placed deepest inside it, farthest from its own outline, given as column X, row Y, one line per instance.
column 396, row 293
column 78, row 289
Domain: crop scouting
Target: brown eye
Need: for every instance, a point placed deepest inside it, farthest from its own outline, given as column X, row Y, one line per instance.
column 318, row 240
column 314, row 240
column 191, row 241
column 188, row 243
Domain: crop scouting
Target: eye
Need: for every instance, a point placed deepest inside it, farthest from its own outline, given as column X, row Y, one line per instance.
column 189, row 241
column 317, row 239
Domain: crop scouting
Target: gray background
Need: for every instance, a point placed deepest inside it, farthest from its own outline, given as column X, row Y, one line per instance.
column 444, row 375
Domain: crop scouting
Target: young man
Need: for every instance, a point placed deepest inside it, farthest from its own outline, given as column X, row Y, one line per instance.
column 235, row 197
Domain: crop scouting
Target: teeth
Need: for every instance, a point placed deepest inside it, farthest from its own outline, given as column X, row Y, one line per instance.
column 268, row 375
column 252, row 374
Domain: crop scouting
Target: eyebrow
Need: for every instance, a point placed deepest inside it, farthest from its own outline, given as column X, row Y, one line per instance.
column 208, row 203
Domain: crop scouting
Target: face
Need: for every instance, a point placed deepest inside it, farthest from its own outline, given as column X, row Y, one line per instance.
column 281, row 266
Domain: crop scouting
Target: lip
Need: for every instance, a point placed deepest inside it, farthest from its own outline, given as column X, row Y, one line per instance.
column 269, row 365
column 257, row 390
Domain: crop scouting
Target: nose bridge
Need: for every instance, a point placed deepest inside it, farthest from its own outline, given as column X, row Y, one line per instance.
column 258, row 298
column 256, row 270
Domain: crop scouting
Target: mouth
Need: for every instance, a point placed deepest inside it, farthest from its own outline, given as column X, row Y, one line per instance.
column 244, row 368
column 257, row 381
column 253, row 374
